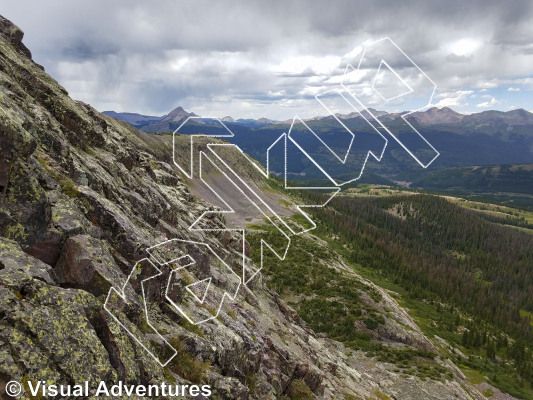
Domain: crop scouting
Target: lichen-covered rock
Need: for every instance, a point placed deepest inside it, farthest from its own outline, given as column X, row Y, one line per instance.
column 14, row 34
column 86, row 263
column 81, row 198
column 17, row 266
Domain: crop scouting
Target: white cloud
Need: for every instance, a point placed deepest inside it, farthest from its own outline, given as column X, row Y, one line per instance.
column 493, row 102
column 453, row 99
column 311, row 65
column 513, row 89
column 464, row 46
column 485, row 85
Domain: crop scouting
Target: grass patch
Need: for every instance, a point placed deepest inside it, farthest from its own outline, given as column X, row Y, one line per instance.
column 67, row 185
column 527, row 314
column 185, row 365
column 298, row 390
column 68, row 188
column 184, row 323
column 472, row 375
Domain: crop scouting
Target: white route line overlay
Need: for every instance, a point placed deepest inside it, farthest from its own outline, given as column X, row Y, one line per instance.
column 404, row 116
column 257, row 200
column 175, row 270
column 122, row 295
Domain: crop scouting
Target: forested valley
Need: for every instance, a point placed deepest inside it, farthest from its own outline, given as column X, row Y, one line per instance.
column 474, row 273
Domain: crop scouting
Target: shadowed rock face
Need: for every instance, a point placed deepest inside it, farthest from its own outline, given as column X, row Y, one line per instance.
column 81, row 198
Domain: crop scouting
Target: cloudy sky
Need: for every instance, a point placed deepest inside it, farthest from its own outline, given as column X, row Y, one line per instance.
column 252, row 59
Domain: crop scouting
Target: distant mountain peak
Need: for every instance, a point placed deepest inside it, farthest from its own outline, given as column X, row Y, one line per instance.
column 266, row 121
column 178, row 114
column 435, row 115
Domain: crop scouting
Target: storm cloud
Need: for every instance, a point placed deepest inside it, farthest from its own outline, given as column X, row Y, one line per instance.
column 255, row 59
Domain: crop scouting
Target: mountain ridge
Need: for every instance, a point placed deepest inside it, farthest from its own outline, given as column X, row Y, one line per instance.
column 485, row 138
column 431, row 116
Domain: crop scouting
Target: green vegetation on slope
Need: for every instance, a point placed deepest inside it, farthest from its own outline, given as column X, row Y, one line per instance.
column 335, row 303
column 497, row 178
column 434, row 252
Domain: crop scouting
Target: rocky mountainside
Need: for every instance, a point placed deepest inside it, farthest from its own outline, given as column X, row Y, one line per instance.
column 82, row 196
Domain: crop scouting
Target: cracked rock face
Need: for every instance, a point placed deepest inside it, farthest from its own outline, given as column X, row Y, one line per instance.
column 82, row 196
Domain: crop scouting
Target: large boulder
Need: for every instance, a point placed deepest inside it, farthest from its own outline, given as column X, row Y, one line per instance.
column 86, row 263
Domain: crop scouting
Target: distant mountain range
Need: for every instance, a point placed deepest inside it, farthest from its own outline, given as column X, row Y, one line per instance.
column 480, row 139
column 432, row 116
column 172, row 120
column 157, row 124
